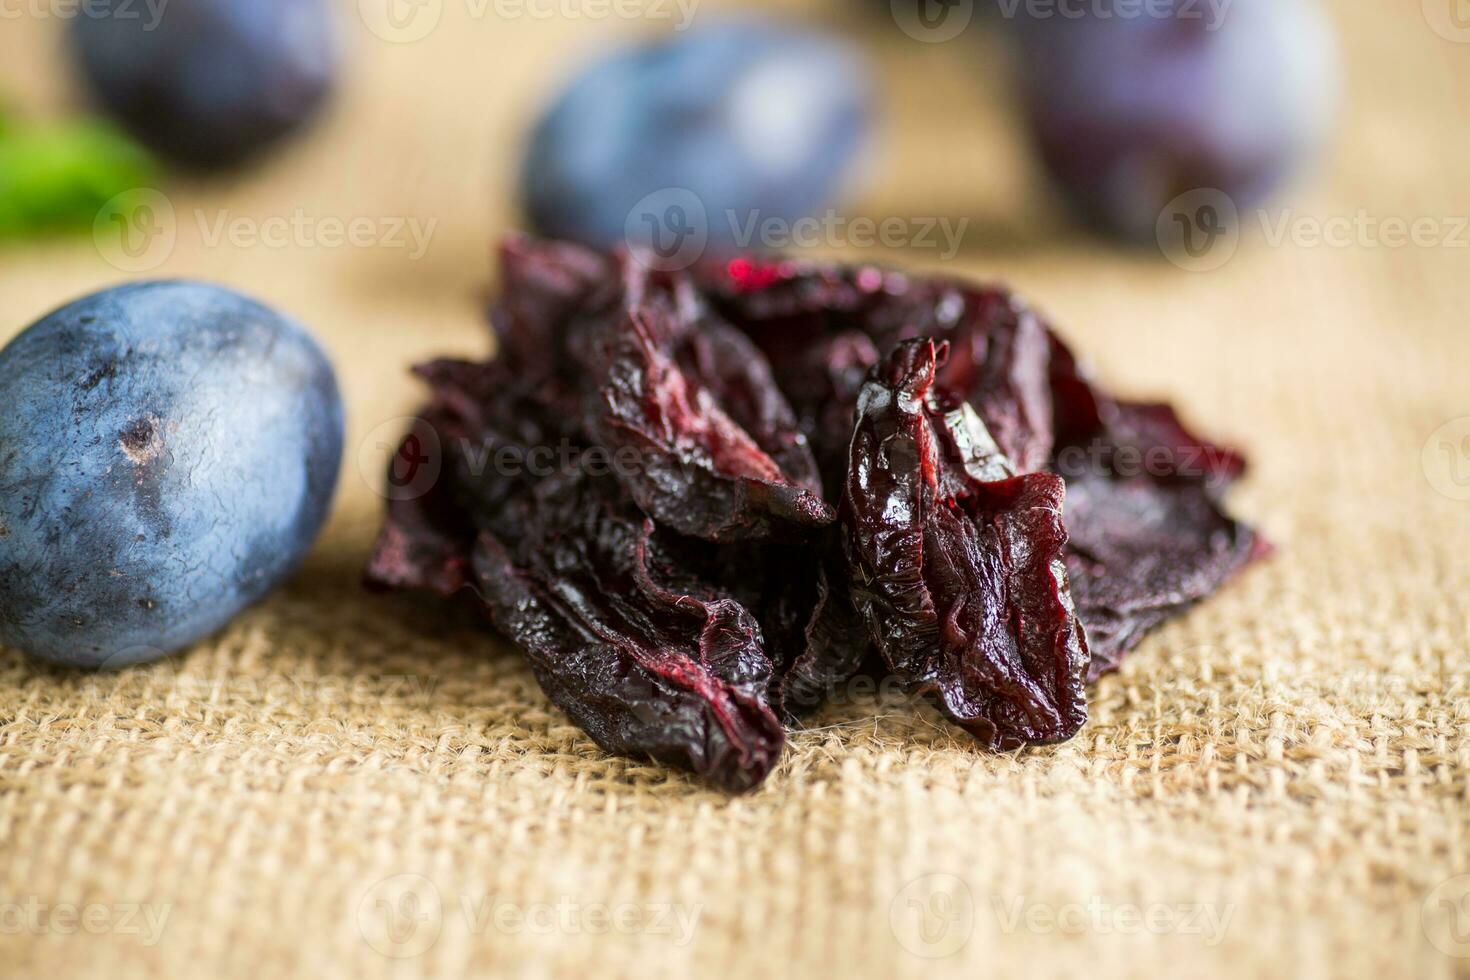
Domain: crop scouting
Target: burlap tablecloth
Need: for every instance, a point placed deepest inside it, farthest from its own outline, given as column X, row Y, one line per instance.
column 341, row 785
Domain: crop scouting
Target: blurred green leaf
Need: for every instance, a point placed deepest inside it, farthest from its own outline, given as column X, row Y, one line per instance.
column 56, row 177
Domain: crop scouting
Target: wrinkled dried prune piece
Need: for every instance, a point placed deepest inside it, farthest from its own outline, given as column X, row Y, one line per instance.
column 1148, row 537
column 425, row 540
column 679, row 607
column 648, row 660
column 648, row 657
column 815, row 322
column 1141, row 552
column 957, row 563
column 799, row 593
column 546, row 289
column 709, row 433
column 824, row 327
column 833, row 643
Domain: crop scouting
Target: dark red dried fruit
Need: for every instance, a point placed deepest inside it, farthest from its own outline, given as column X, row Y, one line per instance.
column 824, row 328
column 958, row 563
column 715, row 449
column 1148, row 535
column 1143, row 549
column 678, row 582
column 647, row 657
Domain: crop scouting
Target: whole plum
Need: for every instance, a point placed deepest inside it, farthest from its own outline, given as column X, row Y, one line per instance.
column 730, row 123
column 168, row 453
column 1133, row 105
column 208, row 83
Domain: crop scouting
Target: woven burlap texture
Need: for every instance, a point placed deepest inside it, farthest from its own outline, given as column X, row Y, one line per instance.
column 340, row 785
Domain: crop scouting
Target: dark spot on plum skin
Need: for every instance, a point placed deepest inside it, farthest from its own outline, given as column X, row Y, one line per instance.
column 136, row 437
column 103, row 373
column 141, row 441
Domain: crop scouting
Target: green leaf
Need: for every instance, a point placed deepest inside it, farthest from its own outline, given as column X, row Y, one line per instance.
column 56, row 178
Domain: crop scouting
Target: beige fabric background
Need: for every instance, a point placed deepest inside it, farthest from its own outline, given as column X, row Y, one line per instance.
column 1289, row 762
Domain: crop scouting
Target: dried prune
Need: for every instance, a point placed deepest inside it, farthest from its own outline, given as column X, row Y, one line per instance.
column 822, row 327
column 1142, row 551
column 1148, row 535
column 645, row 656
column 957, row 562
column 712, row 446
column 697, row 589
column 799, row 594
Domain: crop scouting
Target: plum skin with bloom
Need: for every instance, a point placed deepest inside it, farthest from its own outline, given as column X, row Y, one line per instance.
column 167, row 457
column 1130, row 112
column 209, row 83
column 749, row 116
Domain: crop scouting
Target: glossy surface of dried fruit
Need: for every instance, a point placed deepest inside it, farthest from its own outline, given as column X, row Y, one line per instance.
column 647, row 657
column 1148, row 535
column 679, row 583
column 958, row 563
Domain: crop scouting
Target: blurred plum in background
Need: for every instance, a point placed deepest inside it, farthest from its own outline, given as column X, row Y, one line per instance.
column 1132, row 110
column 744, row 119
column 209, row 83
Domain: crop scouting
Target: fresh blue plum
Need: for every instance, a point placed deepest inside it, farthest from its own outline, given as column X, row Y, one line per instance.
column 1132, row 109
column 747, row 116
column 208, row 83
column 168, row 452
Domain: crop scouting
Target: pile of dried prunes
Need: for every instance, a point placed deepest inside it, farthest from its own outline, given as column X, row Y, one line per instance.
column 702, row 500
